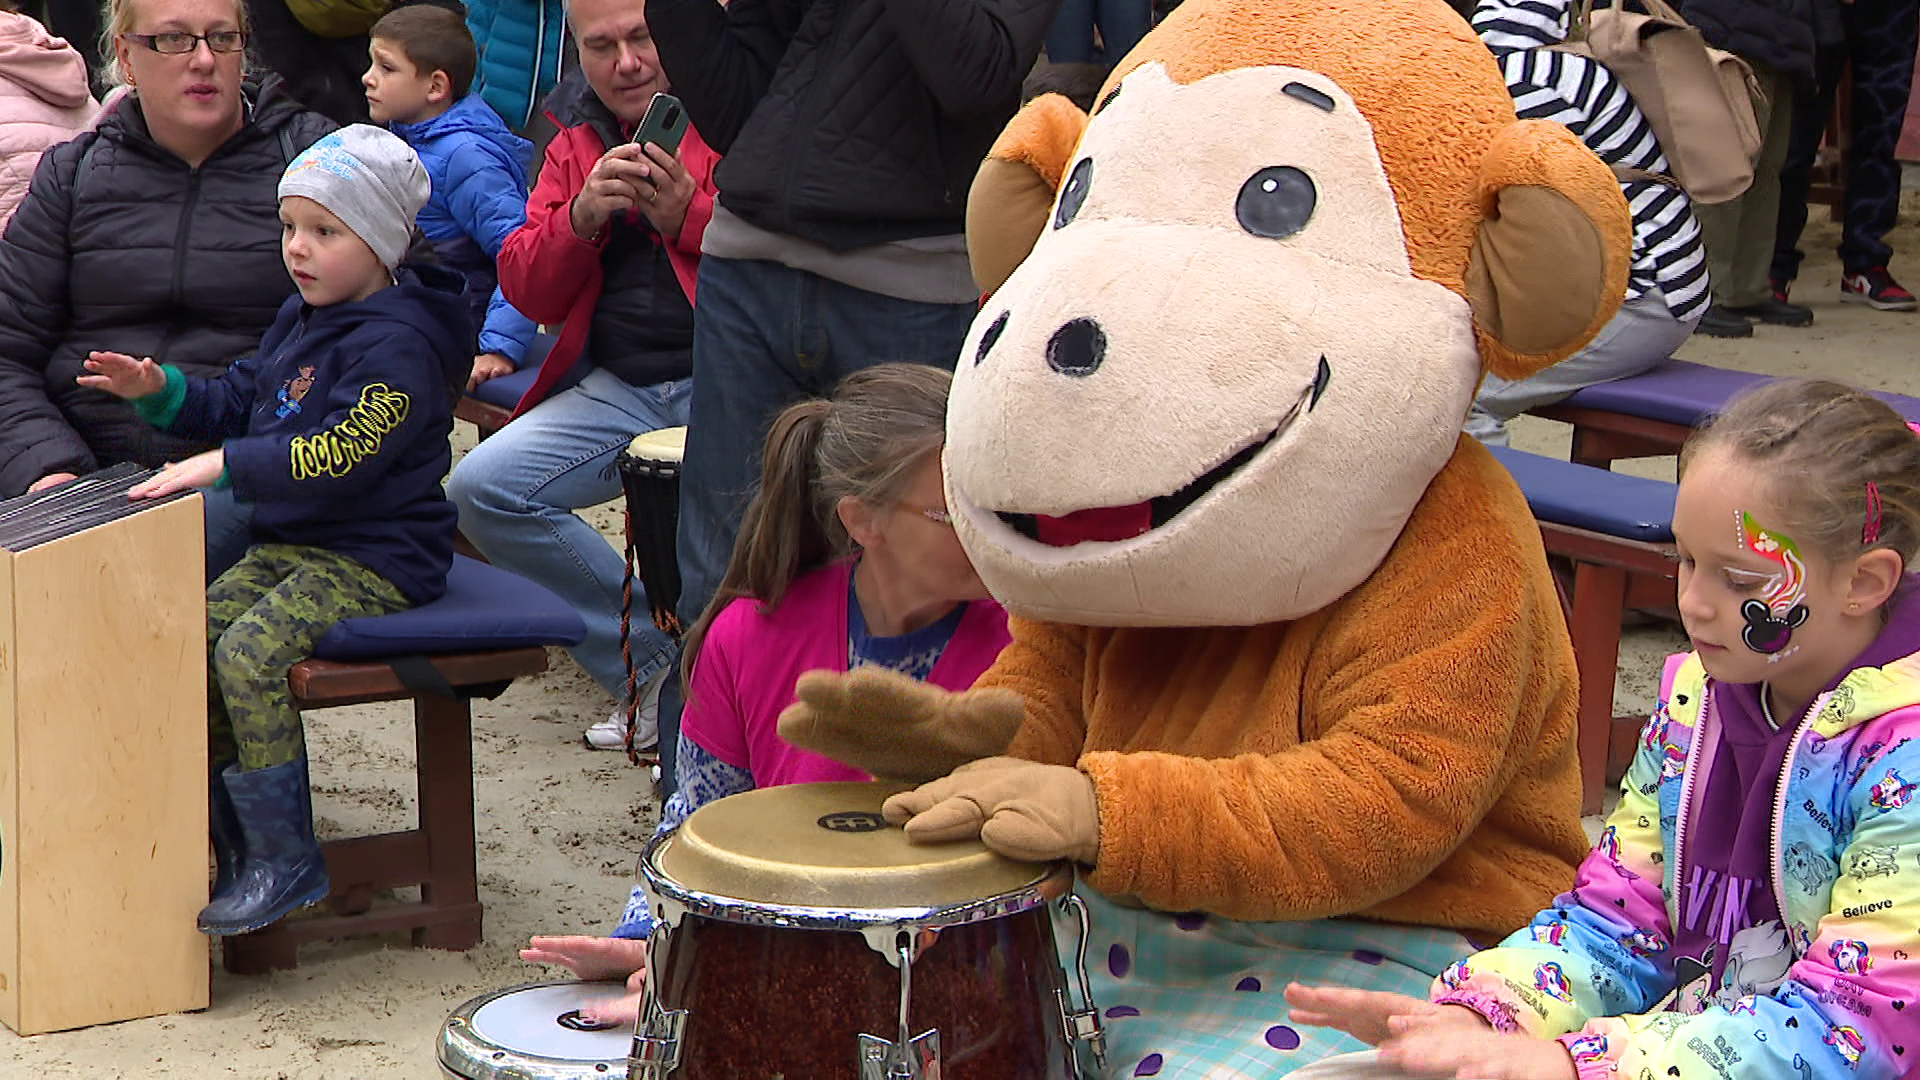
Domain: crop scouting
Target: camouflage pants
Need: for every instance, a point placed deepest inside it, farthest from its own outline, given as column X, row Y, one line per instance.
column 264, row 616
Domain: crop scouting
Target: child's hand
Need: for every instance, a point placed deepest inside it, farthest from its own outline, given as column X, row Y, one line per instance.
column 588, row 957
column 198, row 471
column 1373, row 1016
column 1446, row 1049
column 122, row 376
column 488, row 366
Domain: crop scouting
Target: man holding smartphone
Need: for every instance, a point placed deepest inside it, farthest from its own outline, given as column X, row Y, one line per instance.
column 609, row 253
column 852, row 130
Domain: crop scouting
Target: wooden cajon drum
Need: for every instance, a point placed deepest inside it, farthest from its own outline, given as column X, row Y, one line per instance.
column 103, row 772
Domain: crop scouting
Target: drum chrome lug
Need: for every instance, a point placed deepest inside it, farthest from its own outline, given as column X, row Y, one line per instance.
column 656, row 1046
column 884, row 1059
column 910, row 1057
column 1081, row 1025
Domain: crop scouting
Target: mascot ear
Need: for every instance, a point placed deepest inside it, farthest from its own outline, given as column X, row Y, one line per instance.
column 1549, row 266
column 1014, row 189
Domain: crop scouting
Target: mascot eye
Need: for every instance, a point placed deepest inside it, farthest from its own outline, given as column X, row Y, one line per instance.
column 1075, row 193
column 1275, row 202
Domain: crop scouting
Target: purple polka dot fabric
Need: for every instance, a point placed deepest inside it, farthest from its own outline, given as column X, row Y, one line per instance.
column 1119, row 1011
column 1119, row 961
column 1282, row 1037
column 1249, row 985
column 1149, row 1065
column 1366, row 956
column 1192, row 920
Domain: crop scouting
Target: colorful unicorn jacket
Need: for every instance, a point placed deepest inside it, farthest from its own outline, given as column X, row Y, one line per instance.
column 1838, row 994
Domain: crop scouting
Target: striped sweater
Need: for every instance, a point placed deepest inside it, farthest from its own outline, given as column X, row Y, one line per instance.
column 1581, row 93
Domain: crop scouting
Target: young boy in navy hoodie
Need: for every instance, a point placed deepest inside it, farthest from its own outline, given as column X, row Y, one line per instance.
column 336, row 431
column 421, row 64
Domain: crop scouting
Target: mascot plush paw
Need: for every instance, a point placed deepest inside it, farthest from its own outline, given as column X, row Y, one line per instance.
column 1296, row 681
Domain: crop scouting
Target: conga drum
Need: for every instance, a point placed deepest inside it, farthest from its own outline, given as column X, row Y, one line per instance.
column 533, row 1032
column 800, row 935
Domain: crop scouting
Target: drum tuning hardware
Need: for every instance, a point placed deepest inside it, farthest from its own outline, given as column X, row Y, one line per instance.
column 656, row 1044
column 914, row 1057
column 1081, row 1025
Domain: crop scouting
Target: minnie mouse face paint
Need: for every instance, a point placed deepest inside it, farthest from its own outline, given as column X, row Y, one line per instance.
column 1772, row 617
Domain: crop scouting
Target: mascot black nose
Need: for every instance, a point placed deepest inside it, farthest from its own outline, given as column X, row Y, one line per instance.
column 1077, row 348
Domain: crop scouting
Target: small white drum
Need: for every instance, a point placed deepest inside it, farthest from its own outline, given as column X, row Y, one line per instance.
column 534, row 1032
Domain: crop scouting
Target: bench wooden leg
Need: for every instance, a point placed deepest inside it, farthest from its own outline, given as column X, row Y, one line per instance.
column 439, row 855
column 443, row 734
column 1599, row 593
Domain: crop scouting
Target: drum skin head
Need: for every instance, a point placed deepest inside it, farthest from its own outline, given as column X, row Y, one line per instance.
column 826, row 846
column 666, row 444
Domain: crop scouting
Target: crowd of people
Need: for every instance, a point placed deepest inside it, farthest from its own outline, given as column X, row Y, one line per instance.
column 263, row 248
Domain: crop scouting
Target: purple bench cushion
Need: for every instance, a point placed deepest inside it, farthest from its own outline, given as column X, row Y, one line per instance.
column 1686, row 393
column 485, row 608
column 1611, row 503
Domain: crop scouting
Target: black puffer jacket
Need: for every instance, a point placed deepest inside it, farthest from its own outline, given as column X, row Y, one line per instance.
column 142, row 255
column 1777, row 33
column 849, row 122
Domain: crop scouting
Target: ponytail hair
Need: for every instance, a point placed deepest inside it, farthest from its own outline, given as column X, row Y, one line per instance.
column 864, row 442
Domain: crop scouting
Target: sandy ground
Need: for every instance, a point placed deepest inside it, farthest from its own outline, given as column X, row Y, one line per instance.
column 559, row 825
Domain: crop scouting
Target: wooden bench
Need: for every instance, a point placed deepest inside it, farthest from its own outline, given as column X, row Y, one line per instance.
column 506, row 622
column 1614, row 530
column 1651, row 415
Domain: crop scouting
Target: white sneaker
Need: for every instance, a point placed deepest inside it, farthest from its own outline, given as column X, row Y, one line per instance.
column 611, row 733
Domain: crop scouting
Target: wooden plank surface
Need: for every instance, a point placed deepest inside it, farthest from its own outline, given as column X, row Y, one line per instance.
column 108, row 848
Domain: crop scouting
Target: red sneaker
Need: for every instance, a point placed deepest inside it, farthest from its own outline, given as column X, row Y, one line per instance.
column 1876, row 288
column 1780, row 287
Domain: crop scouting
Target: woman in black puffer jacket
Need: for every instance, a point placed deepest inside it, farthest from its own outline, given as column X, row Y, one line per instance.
column 124, row 245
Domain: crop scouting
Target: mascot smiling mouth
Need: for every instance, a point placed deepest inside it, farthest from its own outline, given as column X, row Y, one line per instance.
column 1116, row 523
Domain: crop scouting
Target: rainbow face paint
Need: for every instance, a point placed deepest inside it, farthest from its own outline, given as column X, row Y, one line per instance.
column 1772, row 617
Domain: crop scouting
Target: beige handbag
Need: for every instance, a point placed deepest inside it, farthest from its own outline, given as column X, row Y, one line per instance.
column 1701, row 101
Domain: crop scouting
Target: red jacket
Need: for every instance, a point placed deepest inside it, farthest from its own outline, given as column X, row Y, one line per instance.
column 553, row 276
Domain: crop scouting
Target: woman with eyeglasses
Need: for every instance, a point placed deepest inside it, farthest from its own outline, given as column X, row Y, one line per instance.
column 846, row 557
column 157, row 235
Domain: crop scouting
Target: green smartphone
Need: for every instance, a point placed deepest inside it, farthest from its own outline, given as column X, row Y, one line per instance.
column 664, row 125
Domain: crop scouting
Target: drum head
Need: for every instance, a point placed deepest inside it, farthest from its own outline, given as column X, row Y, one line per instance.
column 520, row 1032
column 666, row 444
column 826, row 846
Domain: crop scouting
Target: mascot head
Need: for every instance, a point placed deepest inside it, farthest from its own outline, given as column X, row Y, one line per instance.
column 1237, row 314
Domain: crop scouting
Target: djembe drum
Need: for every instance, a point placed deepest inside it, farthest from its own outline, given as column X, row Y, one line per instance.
column 797, row 934
column 650, row 477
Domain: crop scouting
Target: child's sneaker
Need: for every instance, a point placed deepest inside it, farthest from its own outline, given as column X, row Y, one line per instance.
column 1877, row 289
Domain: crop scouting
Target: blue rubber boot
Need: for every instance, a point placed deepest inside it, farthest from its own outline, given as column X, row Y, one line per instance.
column 229, row 843
column 281, row 869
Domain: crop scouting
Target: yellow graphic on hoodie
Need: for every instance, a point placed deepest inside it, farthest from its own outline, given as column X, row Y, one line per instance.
column 334, row 452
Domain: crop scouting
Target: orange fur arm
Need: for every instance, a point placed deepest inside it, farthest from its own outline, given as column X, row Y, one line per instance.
column 1045, row 664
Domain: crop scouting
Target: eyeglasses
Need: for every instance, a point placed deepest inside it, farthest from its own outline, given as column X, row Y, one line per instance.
column 178, row 43
column 937, row 515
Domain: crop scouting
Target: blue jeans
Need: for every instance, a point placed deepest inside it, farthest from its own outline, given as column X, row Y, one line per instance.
column 764, row 336
column 517, row 493
column 229, row 533
column 1122, row 24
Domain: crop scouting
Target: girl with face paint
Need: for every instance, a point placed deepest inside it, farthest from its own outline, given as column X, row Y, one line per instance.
column 1743, row 894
